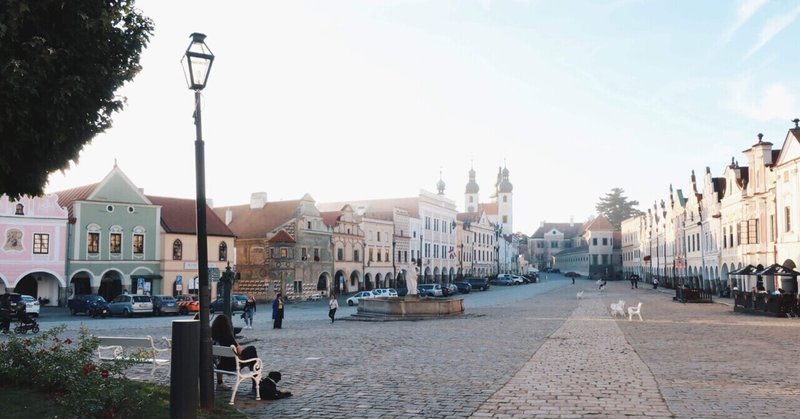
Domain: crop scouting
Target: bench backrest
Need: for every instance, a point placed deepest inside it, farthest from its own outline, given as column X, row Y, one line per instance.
column 130, row 342
column 226, row 351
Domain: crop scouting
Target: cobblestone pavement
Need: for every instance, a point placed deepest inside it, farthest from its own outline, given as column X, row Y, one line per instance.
column 526, row 351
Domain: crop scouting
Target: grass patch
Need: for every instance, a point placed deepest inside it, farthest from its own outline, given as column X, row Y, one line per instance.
column 22, row 403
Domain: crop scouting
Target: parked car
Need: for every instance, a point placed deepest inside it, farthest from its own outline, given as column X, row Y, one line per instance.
column 517, row 280
column 504, row 280
column 164, row 304
column 237, row 304
column 555, row 271
column 86, row 303
column 430, row 290
column 479, row 283
column 449, row 289
column 11, row 303
column 385, row 292
column 188, row 303
column 31, row 305
column 463, row 287
column 129, row 304
column 361, row 295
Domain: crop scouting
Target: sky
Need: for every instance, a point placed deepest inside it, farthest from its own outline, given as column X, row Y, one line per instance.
column 351, row 100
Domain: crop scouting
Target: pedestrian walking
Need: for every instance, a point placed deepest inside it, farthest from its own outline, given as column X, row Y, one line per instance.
column 277, row 312
column 633, row 281
column 333, row 304
column 249, row 312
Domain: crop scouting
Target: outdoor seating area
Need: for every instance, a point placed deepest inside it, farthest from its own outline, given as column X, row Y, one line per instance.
column 692, row 295
column 777, row 305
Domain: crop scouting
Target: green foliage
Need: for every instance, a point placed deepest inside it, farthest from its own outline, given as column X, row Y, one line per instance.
column 616, row 207
column 67, row 371
column 60, row 64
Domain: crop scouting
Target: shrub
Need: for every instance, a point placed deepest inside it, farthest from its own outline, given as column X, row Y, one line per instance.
column 67, row 371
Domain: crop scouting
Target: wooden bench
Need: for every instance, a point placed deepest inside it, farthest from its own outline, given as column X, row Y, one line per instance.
column 135, row 349
column 254, row 373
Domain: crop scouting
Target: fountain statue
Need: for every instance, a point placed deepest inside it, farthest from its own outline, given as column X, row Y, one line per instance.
column 411, row 281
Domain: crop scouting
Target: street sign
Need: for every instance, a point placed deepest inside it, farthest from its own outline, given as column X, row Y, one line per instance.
column 179, row 283
column 213, row 274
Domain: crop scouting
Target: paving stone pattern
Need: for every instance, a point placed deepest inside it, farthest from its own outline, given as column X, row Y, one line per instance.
column 543, row 355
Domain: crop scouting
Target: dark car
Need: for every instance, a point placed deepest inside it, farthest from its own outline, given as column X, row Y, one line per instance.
column 464, row 287
column 164, row 304
column 237, row 304
column 555, row 271
column 86, row 303
column 531, row 277
column 478, row 283
column 10, row 305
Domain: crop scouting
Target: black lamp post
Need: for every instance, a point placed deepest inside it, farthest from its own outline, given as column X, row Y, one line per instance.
column 498, row 232
column 394, row 266
column 226, row 280
column 197, row 65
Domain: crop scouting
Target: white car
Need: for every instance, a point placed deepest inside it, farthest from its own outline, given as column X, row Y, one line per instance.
column 361, row 295
column 385, row 292
column 517, row 279
column 31, row 305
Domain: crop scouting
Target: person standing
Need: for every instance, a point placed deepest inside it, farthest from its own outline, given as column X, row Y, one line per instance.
column 277, row 312
column 249, row 311
column 333, row 304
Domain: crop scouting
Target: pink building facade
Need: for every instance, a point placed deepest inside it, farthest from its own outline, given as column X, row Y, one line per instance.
column 33, row 247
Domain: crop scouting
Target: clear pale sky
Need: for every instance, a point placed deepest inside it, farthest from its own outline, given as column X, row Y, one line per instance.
column 371, row 99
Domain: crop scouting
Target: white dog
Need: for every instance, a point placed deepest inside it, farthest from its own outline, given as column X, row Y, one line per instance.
column 580, row 295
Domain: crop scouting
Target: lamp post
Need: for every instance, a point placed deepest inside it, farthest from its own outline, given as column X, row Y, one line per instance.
column 197, row 65
column 498, row 232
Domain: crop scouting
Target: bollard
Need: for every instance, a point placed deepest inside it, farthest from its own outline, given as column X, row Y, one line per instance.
column 184, row 369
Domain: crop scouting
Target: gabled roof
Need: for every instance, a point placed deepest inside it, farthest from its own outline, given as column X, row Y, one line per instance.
column 376, row 205
column 80, row 193
column 380, row 215
column 179, row 216
column 330, row 217
column 282, row 237
column 570, row 230
column 489, row 208
column 600, row 223
column 248, row 223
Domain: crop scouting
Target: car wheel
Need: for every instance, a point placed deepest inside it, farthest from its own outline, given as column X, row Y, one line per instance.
column 35, row 329
column 350, row 303
column 126, row 313
column 183, row 310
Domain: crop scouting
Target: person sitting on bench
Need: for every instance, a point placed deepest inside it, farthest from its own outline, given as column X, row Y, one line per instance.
column 222, row 334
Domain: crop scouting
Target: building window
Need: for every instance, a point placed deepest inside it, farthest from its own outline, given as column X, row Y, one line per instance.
column 594, row 241
column 20, row 210
column 138, row 244
column 284, row 253
column 505, row 219
column 379, row 255
column 356, row 256
column 371, row 255
column 787, row 214
column 605, row 241
column 298, row 287
column 340, row 254
column 309, row 225
column 177, row 250
column 386, row 255
column 316, row 255
column 93, row 244
column 303, row 253
column 41, row 243
column 505, row 198
column 379, row 236
column 115, row 243
column 223, row 252
column 470, row 199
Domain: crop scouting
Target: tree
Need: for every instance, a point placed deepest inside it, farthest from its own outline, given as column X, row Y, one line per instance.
column 616, row 207
column 60, row 64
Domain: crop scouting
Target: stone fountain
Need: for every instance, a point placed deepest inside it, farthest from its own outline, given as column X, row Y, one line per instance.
column 409, row 307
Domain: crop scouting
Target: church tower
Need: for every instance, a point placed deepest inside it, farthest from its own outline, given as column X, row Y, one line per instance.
column 505, row 202
column 471, row 193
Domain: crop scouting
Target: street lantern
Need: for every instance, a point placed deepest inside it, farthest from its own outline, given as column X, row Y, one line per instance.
column 197, row 66
column 197, row 62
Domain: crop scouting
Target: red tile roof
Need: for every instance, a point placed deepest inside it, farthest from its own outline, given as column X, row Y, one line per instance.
column 599, row 223
column 489, row 208
column 570, row 230
column 179, row 216
column 468, row 216
column 250, row 223
column 282, row 237
column 376, row 205
column 80, row 193
column 330, row 218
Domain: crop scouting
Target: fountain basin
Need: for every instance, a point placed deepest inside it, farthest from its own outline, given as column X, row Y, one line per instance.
column 408, row 308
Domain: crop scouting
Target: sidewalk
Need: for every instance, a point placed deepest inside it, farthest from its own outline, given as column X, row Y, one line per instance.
column 585, row 368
